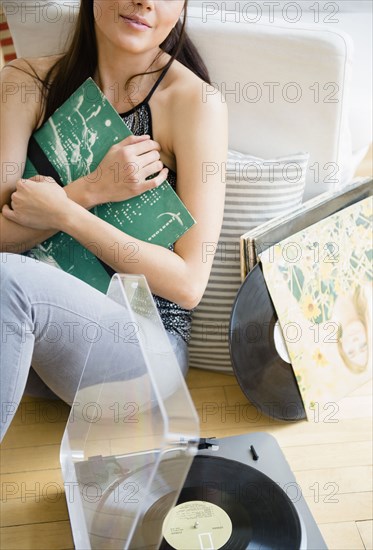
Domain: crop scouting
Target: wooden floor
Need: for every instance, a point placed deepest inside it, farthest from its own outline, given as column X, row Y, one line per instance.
column 331, row 460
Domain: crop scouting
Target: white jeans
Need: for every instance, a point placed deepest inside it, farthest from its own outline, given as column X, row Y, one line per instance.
column 52, row 320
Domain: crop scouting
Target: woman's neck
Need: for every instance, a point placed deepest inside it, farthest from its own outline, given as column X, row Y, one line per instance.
column 114, row 71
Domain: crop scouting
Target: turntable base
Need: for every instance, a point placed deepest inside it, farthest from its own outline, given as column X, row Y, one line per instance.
column 262, row 452
column 239, row 494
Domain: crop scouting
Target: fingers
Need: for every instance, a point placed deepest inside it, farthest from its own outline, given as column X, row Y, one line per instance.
column 37, row 178
column 156, row 181
column 153, row 157
column 8, row 213
column 146, row 157
column 138, row 145
column 144, row 147
column 136, row 159
column 41, row 178
column 131, row 140
column 141, row 151
column 150, row 170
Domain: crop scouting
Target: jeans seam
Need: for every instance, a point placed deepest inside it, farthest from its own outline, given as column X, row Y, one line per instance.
column 49, row 304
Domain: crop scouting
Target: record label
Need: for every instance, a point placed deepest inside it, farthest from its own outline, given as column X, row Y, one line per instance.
column 197, row 525
column 280, row 345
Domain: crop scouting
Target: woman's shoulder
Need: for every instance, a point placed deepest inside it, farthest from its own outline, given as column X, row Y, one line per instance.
column 190, row 103
column 22, row 86
column 183, row 110
column 186, row 91
column 29, row 68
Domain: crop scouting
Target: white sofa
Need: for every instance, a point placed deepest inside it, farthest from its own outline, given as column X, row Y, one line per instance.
column 295, row 79
column 352, row 20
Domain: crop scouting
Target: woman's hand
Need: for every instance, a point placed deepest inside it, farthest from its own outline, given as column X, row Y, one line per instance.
column 38, row 203
column 123, row 171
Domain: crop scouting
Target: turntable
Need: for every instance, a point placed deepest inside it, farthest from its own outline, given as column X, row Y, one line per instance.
column 137, row 476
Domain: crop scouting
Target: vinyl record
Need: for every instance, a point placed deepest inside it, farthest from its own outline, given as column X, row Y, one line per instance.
column 267, row 380
column 261, row 513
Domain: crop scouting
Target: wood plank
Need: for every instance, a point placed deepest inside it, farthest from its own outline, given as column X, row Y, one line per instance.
column 216, row 411
column 365, row 389
column 336, row 455
column 198, row 378
column 300, row 433
column 39, row 536
column 218, row 415
column 22, row 512
column 341, row 536
column 211, row 430
column 33, row 435
column 366, row 532
column 350, row 506
column 37, row 411
column 36, row 484
column 355, row 406
column 201, row 396
column 29, row 459
column 334, row 481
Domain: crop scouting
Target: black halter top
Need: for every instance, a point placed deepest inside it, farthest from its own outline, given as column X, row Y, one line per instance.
column 176, row 319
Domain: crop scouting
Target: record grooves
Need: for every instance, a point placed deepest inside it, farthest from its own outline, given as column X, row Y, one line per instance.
column 265, row 378
column 261, row 513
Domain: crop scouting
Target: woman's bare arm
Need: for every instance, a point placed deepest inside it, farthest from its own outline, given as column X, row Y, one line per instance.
column 20, row 106
column 199, row 137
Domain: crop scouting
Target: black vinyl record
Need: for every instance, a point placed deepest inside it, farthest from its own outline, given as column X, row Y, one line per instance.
column 261, row 513
column 265, row 378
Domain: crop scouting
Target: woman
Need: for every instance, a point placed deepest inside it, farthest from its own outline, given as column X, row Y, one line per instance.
column 129, row 49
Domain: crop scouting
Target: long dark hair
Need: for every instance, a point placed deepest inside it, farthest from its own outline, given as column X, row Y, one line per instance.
column 80, row 60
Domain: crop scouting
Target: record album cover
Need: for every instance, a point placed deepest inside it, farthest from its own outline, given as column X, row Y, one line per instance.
column 255, row 241
column 71, row 144
column 320, row 281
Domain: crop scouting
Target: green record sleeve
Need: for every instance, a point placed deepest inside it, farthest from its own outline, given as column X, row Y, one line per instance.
column 71, row 144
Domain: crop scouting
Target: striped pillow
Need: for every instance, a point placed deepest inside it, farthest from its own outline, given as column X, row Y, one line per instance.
column 257, row 190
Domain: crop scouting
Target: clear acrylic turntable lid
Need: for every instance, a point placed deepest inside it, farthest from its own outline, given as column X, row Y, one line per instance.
column 133, row 430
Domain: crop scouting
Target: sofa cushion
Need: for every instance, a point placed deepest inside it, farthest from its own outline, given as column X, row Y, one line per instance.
column 287, row 90
column 40, row 27
column 257, row 190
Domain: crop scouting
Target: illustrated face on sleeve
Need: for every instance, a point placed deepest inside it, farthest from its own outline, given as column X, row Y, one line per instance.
column 354, row 343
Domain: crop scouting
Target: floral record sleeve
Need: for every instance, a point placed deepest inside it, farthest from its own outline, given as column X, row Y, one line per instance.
column 320, row 281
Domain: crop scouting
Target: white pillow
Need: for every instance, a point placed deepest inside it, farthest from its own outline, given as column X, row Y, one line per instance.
column 257, row 190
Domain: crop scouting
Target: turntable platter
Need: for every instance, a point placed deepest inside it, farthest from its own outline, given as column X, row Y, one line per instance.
column 262, row 515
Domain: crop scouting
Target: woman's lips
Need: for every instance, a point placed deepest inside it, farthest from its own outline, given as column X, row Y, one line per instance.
column 135, row 23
